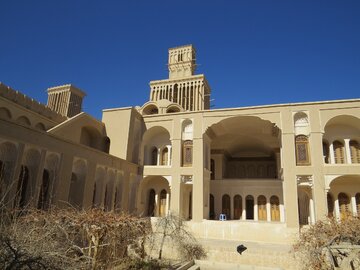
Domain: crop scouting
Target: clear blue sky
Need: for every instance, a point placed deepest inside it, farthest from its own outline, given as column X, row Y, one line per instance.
column 252, row 52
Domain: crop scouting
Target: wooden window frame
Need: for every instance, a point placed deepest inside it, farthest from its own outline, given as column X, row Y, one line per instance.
column 302, row 140
column 187, row 145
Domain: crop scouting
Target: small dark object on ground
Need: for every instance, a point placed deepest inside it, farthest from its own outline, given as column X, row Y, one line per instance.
column 241, row 248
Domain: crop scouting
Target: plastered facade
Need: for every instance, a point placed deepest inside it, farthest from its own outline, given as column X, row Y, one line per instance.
column 270, row 169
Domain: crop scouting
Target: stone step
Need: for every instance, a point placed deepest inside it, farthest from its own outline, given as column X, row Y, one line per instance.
column 211, row 265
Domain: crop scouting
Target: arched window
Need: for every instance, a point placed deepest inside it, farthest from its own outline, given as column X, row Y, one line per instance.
column 338, row 152
column 94, row 197
column 212, row 207
column 115, row 199
column 302, row 150
column 249, row 207
column 344, row 205
column 22, row 186
column 357, row 199
column 151, row 204
column 330, row 205
column 105, row 198
column 261, row 201
column 162, row 209
column 275, row 208
column 154, row 156
column 355, row 152
column 43, row 202
column 175, row 99
column 212, row 168
column 237, row 207
column 326, row 152
column 226, row 205
column 187, row 153
column 165, row 156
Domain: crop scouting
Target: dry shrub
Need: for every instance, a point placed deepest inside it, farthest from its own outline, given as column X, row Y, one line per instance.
column 311, row 248
column 68, row 239
column 173, row 229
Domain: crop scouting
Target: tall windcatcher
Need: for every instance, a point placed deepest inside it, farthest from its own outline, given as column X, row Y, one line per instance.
column 65, row 99
column 190, row 91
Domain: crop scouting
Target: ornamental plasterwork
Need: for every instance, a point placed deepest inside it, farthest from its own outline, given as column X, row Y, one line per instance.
column 186, row 178
column 304, row 180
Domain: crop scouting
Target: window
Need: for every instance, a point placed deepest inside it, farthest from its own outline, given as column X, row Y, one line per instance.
column 43, row 202
column 262, row 207
column 302, row 150
column 187, row 153
column 355, row 152
column 249, row 207
column 275, row 208
column 212, row 207
column 357, row 199
column 162, row 210
column 94, row 197
column 154, row 155
column 237, row 207
column 212, row 168
column 151, row 204
column 344, row 205
column 330, row 205
column 326, row 152
column 21, row 191
column 338, row 152
column 165, row 156
column 226, row 206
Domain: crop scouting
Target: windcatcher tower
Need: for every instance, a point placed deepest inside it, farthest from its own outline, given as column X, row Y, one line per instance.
column 190, row 91
column 65, row 99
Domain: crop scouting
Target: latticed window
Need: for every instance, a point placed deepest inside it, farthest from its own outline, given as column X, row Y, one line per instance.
column 355, row 152
column 344, row 205
column 154, row 155
column 330, row 205
column 226, row 205
column 326, row 152
column 357, row 199
column 262, row 207
column 339, row 152
column 275, row 208
column 164, row 157
column 187, row 153
column 302, row 150
column 237, row 207
column 212, row 169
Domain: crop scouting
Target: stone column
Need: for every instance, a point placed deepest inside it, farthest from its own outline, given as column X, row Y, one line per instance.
column 198, row 171
column 175, row 181
column 157, row 205
column 256, row 210
column 353, row 206
column 243, row 214
column 278, row 164
column 331, row 152
column 282, row 212
column 268, row 211
column 158, row 162
column 289, row 170
column 167, row 202
column 169, row 155
column 347, row 151
column 337, row 209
